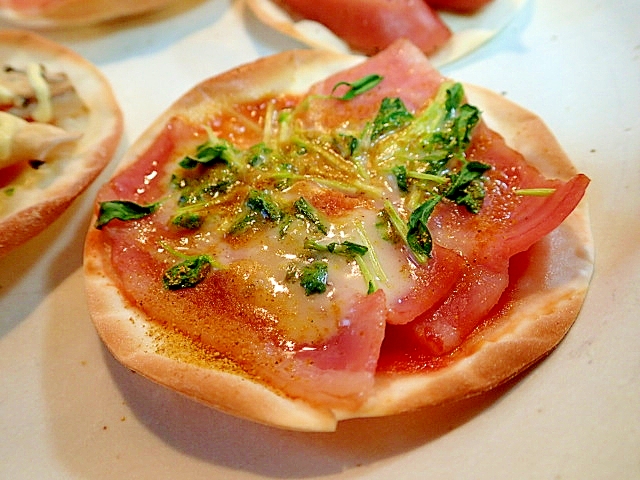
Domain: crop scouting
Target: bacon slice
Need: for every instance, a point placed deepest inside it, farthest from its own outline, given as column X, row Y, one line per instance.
column 433, row 282
column 342, row 370
column 459, row 6
column 370, row 26
column 393, row 64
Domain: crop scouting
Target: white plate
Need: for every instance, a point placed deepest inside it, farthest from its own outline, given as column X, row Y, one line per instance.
column 69, row 411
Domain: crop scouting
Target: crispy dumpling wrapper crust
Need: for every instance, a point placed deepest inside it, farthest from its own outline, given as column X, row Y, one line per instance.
column 37, row 198
column 533, row 321
column 73, row 13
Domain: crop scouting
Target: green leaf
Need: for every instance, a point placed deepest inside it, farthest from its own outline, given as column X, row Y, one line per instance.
column 243, row 224
column 205, row 187
column 400, row 172
column 465, row 188
column 210, row 153
column 418, row 235
column 455, row 96
column 472, row 197
column 306, row 211
column 123, row 210
column 258, row 154
column 187, row 273
column 346, row 145
column 262, row 203
column 402, row 230
column 391, row 116
column 358, row 87
column 190, row 221
column 464, row 122
column 350, row 250
column 262, row 207
column 346, row 248
column 438, row 133
column 313, row 278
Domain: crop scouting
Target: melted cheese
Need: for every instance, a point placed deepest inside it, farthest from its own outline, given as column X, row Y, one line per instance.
column 44, row 110
column 21, row 140
column 267, row 286
column 6, row 95
column 9, row 124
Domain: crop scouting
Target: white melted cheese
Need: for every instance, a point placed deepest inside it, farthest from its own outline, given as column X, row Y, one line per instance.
column 9, row 125
column 306, row 319
column 21, row 140
column 6, row 95
column 44, row 110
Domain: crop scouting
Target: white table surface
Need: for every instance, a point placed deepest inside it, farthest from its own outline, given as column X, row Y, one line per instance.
column 69, row 411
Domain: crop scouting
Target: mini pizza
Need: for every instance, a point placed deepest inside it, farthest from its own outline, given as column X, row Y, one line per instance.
column 59, row 126
column 445, row 30
column 47, row 14
column 315, row 237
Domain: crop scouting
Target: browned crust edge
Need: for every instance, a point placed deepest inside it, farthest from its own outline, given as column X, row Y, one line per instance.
column 94, row 150
column 74, row 13
column 492, row 355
